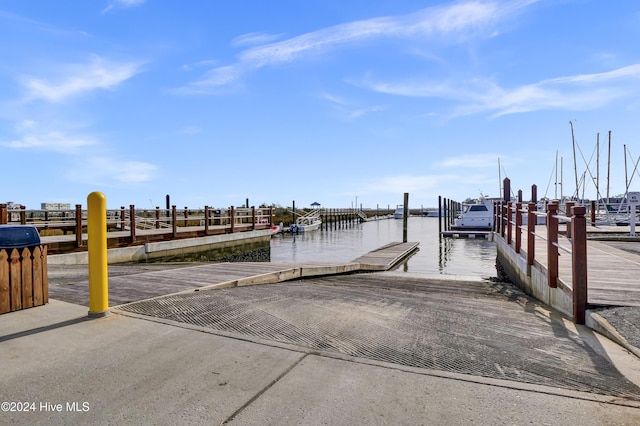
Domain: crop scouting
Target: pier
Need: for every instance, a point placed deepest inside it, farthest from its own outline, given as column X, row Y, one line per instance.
column 135, row 227
column 559, row 264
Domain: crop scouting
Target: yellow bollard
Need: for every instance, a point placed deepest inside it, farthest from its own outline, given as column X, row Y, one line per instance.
column 97, row 242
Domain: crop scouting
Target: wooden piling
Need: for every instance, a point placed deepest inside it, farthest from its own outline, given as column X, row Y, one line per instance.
column 552, row 244
column 531, row 233
column 579, row 263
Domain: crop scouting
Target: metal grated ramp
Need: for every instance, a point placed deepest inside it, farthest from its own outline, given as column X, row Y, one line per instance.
column 485, row 329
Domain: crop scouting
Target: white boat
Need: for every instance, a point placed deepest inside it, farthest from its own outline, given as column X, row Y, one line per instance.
column 475, row 217
column 309, row 222
column 431, row 213
column 399, row 213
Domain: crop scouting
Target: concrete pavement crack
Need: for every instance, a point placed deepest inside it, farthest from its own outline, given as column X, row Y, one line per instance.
column 263, row 390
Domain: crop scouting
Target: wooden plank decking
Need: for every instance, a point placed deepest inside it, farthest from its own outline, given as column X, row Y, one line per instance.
column 126, row 288
column 386, row 257
column 613, row 273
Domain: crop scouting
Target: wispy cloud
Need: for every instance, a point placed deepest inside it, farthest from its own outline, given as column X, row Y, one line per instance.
column 80, row 150
column 458, row 21
column 110, row 171
column 252, row 39
column 346, row 108
column 476, row 96
column 574, row 93
column 31, row 135
column 121, row 4
column 216, row 80
column 76, row 79
column 199, row 64
column 360, row 112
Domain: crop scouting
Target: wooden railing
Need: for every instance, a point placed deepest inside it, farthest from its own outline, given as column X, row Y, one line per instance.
column 508, row 224
column 23, row 278
column 166, row 222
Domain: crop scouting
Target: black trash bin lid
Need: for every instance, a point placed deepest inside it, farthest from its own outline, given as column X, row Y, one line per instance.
column 18, row 236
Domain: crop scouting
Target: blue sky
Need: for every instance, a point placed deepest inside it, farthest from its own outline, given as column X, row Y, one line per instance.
column 339, row 102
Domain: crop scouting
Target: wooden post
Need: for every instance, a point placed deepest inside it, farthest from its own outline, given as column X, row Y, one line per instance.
column 509, row 221
column 552, row 244
column 519, row 195
column 167, row 211
column 206, row 220
column 122, row 218
column 503, row 218
column 405, row 217
column 232, row 218
column 569, row 207
column 253, row 216
column 157, row 217
column 186, row 216
column 439, row 214
column 506, row 189
column 293, row 210
column 593, row 213
column 534, row 193
column 531, row 229
column 518, row 225
column 78, row 225
column 23, row 216
column 4, row 216
column 495, row 217
column 132, row 222
column 579, row 263
column 174, row 221
column 444, row 214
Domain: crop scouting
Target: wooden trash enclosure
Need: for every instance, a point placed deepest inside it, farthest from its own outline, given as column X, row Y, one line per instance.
column 23, row 278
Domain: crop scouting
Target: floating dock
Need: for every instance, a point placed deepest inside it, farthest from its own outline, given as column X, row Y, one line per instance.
column 467, row 234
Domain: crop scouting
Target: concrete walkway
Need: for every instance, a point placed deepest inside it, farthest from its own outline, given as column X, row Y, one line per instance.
column 58, row 367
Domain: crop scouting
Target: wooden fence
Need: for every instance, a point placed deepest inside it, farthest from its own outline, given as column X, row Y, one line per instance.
column 23, row 278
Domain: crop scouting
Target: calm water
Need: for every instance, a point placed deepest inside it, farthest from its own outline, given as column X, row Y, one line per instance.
column 472, row 257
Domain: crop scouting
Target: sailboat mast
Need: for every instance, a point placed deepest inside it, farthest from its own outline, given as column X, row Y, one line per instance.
column 499, row 178
column 626, row 178
column 556, row 186
column 608, row 166
column 575, row 166
column 598, row 165
column 561, row 178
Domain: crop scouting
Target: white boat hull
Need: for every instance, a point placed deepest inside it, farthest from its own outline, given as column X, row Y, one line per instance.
column 308, row 228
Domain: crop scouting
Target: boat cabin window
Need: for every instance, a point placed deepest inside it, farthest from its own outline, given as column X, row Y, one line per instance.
column 476, row 208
